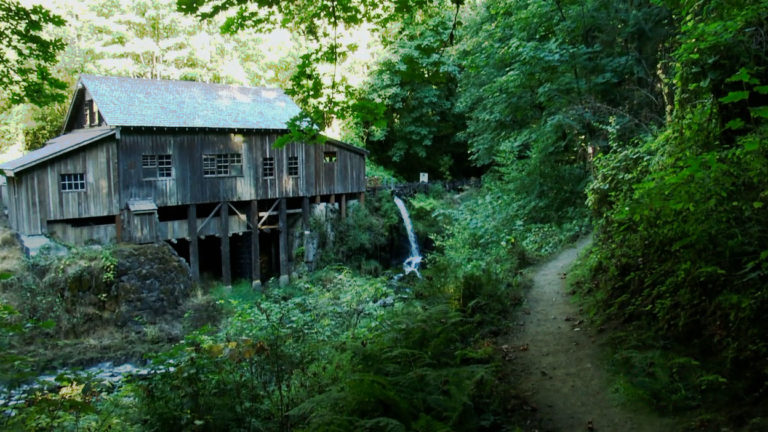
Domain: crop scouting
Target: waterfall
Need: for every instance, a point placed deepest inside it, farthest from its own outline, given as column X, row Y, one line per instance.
column 411, row 263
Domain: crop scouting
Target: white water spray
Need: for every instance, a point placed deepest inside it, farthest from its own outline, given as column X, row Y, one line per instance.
column 411, row 263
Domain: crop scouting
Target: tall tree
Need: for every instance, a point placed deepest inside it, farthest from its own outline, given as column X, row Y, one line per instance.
column 27, row 54
column 546, row 85
column 405, row 113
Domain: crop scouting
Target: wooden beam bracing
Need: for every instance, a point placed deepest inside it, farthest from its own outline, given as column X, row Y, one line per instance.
column 255, row 251
column 283, row 238
column 208, row 218
column 226, row 268
column 261, row 222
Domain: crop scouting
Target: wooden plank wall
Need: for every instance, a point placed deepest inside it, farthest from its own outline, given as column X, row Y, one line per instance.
column 188, row 185
column 38, row 197
column 114, row 175
column 180, row 229
column 82, row 235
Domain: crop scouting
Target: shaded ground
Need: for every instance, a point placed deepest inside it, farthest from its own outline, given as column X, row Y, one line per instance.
column 558, row 365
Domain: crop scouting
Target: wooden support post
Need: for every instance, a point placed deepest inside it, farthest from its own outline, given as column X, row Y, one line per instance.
column 305, row 214
column 305, row 225
column 283, row 242
column 317, row 199
column 333, row 199
column 343, row 206
column 226, row 268
column 362, row 199
column 194, row 253
column 118, row 227
column 253, row 218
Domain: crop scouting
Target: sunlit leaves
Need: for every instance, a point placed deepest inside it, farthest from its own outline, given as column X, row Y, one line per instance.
column 28, row 53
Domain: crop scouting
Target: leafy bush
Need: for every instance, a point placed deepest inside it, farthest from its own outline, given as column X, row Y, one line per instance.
column 335, row 351
column 680, row 256
column 364, row 237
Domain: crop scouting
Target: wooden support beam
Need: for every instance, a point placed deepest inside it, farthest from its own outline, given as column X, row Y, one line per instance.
column 317, row 199
column 194, row 254
column 118, row 227
column 226, row 268
column 305, row 214
column 277, row 201
column 305, row 224
column 255, row 252
column 333, row 199
column 362, row 199
column 283, row 242
column 343, row 206
column 208, row 218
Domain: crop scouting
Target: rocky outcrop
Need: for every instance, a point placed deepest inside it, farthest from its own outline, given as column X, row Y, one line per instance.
column 152, row 282
column 95, row 288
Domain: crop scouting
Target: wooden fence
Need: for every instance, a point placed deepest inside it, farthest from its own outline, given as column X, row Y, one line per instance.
column 374, row 185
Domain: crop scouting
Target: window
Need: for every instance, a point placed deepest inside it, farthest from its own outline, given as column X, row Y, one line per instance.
column 209, row 165
column 293, row 166
column 164, row 167
column 87, row 113
column 156, row 166
column 329, row 157
column 93, row 113
column 73, row 182
column 90, row 114
column 222, row 165
column 269, row 167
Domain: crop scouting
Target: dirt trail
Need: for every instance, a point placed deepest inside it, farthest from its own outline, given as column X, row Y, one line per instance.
column 558, row 361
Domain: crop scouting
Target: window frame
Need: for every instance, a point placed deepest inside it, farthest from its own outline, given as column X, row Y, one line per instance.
column 72, row 182
column 268, row 167
column 222, row 165
column 156, row 166
column 330, row 156
column 294, row 169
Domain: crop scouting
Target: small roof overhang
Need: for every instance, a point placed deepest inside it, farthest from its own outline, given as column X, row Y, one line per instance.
column 138, row 206
column 55, row 147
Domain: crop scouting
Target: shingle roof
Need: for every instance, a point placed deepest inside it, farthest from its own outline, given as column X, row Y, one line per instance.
column 57, row 146
column 162, row 103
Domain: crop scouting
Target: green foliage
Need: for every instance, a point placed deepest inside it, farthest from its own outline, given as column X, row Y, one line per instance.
column 680, row 254
column 410, row 376
column 48, row 122
column 324, row 353
column 316, row 84
column 52, row 289
column 28, row 53
column 405, row 112
column 363, row 239
column 484, row 243
column 557, row 79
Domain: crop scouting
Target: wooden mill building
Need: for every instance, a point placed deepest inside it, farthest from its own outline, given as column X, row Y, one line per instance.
column 193, row 163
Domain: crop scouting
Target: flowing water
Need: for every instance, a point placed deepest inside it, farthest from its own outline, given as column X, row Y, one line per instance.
column 101, row 373
column 413, row 261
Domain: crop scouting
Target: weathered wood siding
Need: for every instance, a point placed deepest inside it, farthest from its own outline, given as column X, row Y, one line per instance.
column 82, row 234
column 188, row 185
column 179, row 229
column 38, row 198
column 345, row 175
column 142, row 227
column 77, row 119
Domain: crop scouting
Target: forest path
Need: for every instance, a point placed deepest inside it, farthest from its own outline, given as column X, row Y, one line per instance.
column 559, row 365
